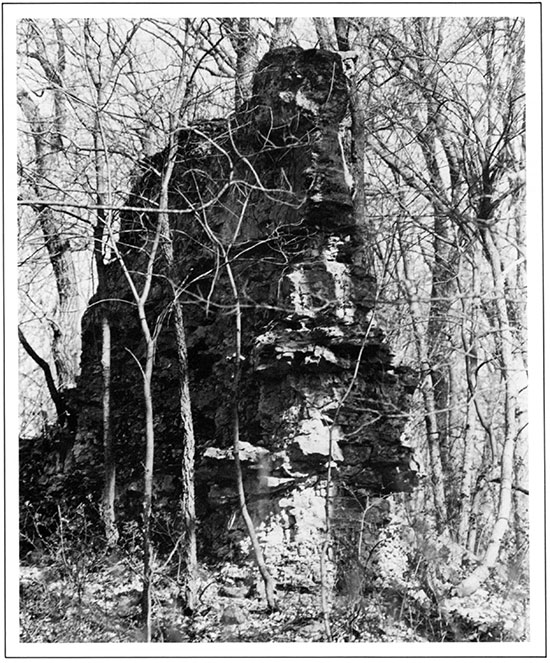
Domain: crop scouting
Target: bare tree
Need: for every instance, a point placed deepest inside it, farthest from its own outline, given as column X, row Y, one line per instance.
column 98, row 84
column 181, row 99
column 48, row 138
column 465, row 129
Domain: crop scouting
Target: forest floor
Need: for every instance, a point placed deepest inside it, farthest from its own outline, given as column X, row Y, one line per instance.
column 67, row 602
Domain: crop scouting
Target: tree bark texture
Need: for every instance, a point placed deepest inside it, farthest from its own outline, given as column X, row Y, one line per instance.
column 188, row 549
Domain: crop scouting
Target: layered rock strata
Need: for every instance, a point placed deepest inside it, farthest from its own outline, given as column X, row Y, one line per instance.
column 269, row 190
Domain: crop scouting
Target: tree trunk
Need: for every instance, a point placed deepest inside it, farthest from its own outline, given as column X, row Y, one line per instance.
column 149, row 339
column 189, row 590
column 258, row 553
column 103, row 198
column 65, row 327
column 189, row 542
column 48, row 142
column 477, row 431
column 429, row 399
column 324, row 34
column 147, row 374
column 189, row 539
column 442, row 296
column 148, row 483
column 109, row 489
column 472, row 583
column 468, row 465
column 281, row 32
column 243, row 34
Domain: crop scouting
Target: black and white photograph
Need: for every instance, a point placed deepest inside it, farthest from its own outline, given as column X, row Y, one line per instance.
column 273, row 305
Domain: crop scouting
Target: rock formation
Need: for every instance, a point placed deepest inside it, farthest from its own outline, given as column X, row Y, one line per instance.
column 269, row 187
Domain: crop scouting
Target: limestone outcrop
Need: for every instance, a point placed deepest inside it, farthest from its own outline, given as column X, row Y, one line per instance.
column 270, row 189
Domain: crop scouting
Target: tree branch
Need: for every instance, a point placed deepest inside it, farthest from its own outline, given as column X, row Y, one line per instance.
column 57, row 398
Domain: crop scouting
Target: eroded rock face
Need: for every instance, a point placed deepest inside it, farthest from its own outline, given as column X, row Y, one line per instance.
column 272, row 187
